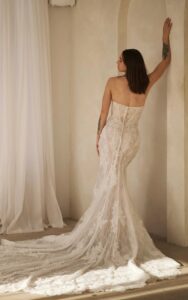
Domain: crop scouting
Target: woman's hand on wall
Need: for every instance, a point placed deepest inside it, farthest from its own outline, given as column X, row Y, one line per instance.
column 166, row 53
column 166, row 30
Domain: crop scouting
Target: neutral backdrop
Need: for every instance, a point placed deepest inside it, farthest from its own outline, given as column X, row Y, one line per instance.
column 86, row 41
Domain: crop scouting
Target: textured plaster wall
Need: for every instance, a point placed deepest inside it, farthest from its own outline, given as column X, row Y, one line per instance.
column 147, row 172
column 94, row 54
column 60, row 42
column 176, row 201
column 186, row 115
column 157, row 177
column 83, row 55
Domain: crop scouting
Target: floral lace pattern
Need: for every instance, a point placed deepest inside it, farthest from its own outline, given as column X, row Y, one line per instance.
column 109, row 249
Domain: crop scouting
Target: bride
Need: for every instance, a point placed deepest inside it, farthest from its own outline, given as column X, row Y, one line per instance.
column 109, row 249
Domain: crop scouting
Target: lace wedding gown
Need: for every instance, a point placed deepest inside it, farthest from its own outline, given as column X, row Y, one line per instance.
column 109, row 249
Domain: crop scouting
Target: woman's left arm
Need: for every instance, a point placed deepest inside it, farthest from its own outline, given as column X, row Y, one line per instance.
column 104, row 110
column 166, row 55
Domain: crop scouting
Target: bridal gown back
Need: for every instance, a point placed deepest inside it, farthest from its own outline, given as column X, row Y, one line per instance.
column 109, row 249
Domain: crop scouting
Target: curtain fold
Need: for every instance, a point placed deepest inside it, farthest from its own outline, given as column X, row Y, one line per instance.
column 27, row 181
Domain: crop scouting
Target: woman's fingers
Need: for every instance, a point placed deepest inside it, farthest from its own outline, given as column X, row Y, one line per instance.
column 167, row 28
column 168, row 20
column 168, row 23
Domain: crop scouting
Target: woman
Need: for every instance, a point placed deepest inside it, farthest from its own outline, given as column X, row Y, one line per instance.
column 109, row 249
column 133, row 87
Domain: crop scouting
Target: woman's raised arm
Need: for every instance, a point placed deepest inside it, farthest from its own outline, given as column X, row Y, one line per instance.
column 166, row 54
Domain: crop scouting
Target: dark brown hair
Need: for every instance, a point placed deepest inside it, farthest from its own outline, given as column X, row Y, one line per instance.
column 136, row 73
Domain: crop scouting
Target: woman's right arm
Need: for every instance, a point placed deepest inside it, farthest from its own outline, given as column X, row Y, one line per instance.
column 166, row 54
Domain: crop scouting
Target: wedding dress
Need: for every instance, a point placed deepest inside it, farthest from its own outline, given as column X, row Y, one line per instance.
column 109, row 249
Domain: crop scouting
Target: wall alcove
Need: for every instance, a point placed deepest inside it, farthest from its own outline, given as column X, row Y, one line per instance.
column 157, row 176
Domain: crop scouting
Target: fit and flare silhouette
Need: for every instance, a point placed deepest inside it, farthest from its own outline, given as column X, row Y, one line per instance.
column 109, row 249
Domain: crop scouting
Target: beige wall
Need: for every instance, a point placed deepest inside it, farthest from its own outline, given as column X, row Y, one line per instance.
column 147, row 173
column 94, row 55
column 83, row 56
column 186, row 112
column 176, row 113
column 161, row 195
column 60, row 42
column 86, row 41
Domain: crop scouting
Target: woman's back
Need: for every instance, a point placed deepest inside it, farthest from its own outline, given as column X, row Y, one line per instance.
column 121, row 93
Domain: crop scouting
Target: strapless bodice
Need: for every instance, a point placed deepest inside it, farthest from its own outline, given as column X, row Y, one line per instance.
column 130, row 115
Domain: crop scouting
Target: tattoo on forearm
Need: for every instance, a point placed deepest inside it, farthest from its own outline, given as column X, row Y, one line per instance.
column 165, row 50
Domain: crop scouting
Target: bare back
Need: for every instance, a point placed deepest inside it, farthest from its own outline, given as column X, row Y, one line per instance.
column 121, row 93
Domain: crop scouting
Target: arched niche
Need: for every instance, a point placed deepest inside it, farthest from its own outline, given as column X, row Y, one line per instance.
column 157, row 176
column 176, row 129
column 146, row 174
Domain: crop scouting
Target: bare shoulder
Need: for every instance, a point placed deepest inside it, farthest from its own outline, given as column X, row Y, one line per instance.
column 115, row 79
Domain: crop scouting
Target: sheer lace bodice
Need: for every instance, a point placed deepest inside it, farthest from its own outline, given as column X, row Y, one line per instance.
column 118, row 112
column 109, row 249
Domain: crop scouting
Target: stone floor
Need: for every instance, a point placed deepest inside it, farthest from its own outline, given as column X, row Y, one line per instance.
column 168, row 289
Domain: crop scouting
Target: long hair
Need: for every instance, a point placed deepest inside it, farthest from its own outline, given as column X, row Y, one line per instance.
column 136, row 73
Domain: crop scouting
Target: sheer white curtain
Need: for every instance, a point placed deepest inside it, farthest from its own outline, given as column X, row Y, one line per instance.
column 27, row 181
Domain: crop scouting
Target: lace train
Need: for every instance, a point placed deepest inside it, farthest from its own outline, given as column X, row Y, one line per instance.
column 109, row 249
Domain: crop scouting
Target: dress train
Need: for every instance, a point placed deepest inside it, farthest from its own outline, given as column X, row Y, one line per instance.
column 109, row 249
